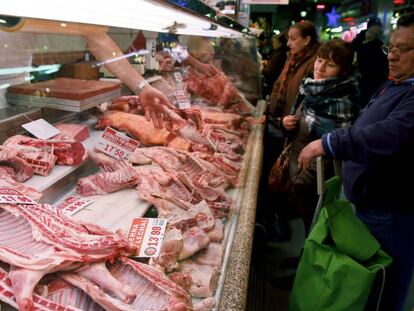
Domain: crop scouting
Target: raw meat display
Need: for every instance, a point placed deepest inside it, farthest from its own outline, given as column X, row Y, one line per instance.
column 37, row 239
column 188, row 172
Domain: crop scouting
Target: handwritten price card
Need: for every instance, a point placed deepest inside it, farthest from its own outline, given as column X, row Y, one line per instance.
column 147, row 235
column 72, row 205
column 116, row 144
column 12, row 196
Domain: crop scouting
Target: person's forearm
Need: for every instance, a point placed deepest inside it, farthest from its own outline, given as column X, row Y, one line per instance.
column 104, row 48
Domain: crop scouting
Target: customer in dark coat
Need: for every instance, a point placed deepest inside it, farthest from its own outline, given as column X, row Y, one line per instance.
column 377, row 152
column 277, row 59
column 372, row 63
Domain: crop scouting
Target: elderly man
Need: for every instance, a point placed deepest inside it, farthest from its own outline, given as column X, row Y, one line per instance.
column 377, row 151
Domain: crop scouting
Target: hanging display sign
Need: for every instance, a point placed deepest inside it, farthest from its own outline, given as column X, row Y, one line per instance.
column 266, row 2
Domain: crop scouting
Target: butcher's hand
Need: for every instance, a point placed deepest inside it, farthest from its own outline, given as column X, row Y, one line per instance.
column 166, row 62
column 156, row 106
column 290, row 122
column 311, row 151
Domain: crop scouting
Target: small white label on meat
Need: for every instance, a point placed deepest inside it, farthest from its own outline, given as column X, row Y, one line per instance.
column 11, row 196
column 41, row 129
column 178, row 77
column 71, row 205
column 182, row 99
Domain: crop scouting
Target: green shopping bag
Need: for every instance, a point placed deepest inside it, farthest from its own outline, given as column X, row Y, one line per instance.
column 339, row 261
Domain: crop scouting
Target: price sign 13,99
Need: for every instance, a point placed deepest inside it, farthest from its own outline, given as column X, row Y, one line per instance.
column 147, row 234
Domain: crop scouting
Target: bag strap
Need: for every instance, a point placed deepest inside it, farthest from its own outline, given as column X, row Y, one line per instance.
column 321, row 186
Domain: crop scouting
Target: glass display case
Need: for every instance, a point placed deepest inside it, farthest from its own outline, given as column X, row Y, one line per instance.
column 53, row 67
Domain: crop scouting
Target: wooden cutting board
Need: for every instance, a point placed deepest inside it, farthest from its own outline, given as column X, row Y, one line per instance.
column 66, row 88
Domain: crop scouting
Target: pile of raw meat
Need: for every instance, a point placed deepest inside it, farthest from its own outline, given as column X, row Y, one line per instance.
column 52, row 262
column 22, row 156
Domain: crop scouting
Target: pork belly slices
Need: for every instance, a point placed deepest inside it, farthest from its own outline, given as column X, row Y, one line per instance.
column 39, row 302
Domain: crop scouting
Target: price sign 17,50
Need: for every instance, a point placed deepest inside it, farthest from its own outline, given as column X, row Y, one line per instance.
column 116, row 144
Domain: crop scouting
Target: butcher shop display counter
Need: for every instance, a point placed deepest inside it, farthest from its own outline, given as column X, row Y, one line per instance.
column 82, row 171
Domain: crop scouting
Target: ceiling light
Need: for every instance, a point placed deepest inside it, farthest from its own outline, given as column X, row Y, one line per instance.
column 131, row 14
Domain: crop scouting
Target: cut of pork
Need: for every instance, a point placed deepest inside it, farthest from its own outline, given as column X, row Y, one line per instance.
column 212, row 255
column 37, row 239
column 153, row 289
column 39, row 302
column 66, row 152
column 194, row 240
column 172, row 246
column 71, row 132
column 123, row 177
column 135, row 125
column 204, row 278
column 7, row 182
column 21, row 170
column 41, row 161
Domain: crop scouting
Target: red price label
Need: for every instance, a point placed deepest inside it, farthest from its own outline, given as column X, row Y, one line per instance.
column 12, row 196
column 182, row 99
column 72, row 205
column 116, row 144
column 147, row 234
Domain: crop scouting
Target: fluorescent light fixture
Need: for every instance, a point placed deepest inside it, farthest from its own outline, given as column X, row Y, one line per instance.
column 114, row 59
column 19, row 70
column 131, row 14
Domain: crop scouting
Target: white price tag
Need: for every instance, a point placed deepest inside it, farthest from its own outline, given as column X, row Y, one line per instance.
column 116, row 144
column 11, row 196
column 178, row 77
column 72, row 205
column 41, row 129
column 182, row 99
column 147, row 234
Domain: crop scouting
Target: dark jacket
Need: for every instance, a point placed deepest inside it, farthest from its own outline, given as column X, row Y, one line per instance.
column 372, row 64
column 378, row 151
column 274, row 67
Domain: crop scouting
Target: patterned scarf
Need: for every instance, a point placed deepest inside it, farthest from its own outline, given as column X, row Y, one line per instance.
column 329, row 103
column 277, row 97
